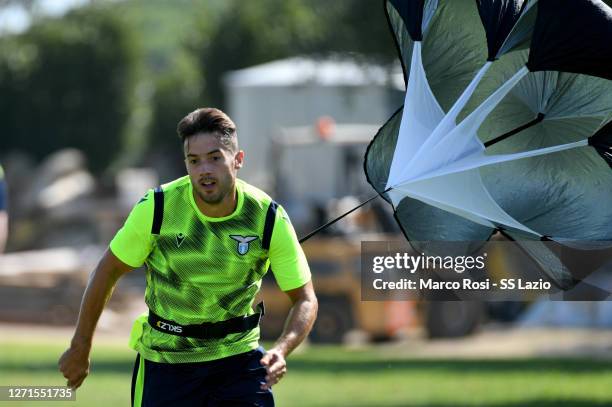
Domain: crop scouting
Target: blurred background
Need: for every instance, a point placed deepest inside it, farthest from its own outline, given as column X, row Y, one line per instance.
column 90, row 95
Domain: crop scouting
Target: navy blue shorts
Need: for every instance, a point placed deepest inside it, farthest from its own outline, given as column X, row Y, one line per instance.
column 231, row 381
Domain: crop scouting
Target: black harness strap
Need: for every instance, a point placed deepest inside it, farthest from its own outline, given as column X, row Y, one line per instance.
column 208, row 330
column 158, row 213
column 269, row 225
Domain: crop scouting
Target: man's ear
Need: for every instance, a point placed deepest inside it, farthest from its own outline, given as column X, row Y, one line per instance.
column 239, row 159
column 185, row 152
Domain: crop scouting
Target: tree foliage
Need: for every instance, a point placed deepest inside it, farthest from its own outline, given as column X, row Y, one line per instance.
column 250, row 33
column 76, row 81
column 68, row 83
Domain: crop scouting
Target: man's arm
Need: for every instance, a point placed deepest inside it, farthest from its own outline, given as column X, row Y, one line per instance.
column 299, row 322
column 3, row 229
column 74, row 363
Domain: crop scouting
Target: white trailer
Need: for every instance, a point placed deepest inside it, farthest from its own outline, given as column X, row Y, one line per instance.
column 297, row 92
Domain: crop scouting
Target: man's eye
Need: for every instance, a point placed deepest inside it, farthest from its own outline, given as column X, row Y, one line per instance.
column 215, row 158
column 193, row 161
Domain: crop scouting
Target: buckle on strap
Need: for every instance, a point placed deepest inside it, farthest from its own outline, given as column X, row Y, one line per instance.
column 208, row 330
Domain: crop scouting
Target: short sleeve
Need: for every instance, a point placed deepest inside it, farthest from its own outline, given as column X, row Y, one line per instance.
column 133, row 242
column 287, row 258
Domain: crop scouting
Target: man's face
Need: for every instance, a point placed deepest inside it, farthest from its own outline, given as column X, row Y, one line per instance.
column 212, row 167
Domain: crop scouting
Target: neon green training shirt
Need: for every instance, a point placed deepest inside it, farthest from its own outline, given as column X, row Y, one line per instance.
column 204, row 269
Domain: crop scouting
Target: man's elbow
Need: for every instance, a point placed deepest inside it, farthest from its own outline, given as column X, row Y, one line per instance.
column 308, row 297
column 315, row 306
column 312, row 298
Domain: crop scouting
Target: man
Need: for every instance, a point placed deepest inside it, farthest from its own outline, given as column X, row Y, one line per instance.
column 207, row 239
column 3, row 214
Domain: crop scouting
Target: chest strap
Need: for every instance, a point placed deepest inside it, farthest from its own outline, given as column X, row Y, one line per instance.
column 158, row 212
column 269, row 226
column 208, row 330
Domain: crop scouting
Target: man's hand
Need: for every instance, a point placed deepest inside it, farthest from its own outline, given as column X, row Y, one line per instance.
column 299, row 322
column 275, row 364
column 74, row 364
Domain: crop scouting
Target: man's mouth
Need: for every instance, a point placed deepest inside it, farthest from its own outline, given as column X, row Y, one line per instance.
column 208, row 184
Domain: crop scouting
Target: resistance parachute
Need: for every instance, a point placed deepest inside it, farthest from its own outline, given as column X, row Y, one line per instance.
column 506, row 125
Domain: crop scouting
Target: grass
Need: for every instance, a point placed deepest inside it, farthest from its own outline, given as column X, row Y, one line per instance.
column 334, row 376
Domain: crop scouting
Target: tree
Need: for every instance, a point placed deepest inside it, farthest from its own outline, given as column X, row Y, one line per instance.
column 68, row 82
column 250, row 33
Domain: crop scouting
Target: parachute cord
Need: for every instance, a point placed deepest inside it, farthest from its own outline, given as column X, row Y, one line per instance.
column 504, row 136
column 331, row 222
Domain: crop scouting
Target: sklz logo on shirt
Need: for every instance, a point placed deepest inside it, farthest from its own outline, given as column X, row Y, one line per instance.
column 179, row 239
column 168, row 327
column 243, row 243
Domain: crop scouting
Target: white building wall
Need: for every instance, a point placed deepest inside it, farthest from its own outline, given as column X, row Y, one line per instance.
column 260, row 111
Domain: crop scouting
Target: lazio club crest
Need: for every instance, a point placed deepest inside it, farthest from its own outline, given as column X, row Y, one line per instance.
column 243, row 243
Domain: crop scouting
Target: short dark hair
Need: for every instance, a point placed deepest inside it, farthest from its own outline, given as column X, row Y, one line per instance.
column 209, row 120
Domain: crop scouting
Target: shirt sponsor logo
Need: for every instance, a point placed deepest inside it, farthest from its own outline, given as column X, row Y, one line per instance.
column 168, row 327
column 243, row 243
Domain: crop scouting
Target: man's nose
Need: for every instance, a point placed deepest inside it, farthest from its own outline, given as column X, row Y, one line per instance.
column 205, row 168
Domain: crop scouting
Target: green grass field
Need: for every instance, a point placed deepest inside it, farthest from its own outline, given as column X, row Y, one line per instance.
column 333, row 376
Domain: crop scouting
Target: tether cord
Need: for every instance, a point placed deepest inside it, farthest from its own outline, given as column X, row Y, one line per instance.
column 331, row 222
column 517, row 130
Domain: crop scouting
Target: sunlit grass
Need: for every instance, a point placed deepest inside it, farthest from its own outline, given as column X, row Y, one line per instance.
column 334, row 376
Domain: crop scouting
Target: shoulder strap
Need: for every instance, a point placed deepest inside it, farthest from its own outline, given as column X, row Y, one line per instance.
column 269, row 225
column 158, row 213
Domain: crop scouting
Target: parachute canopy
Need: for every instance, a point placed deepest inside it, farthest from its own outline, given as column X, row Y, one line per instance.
column 506, row 123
